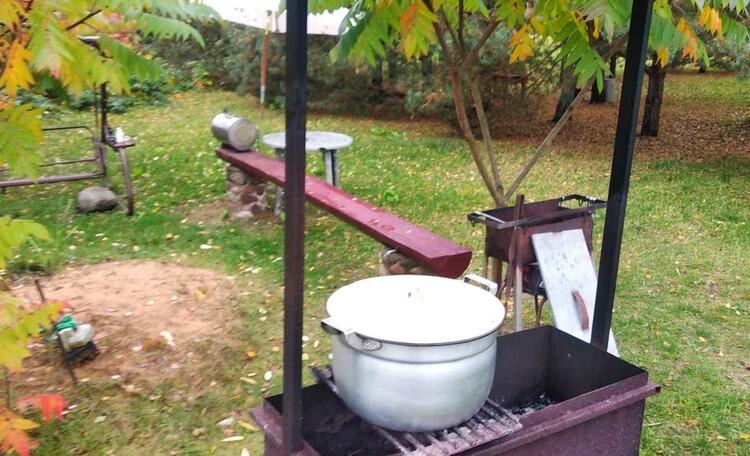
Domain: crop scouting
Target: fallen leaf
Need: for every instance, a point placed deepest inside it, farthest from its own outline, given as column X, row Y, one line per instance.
column 249, row 427
column 251, row 354
column 267, row 376
column 49, row 404
column 19, row 441
column 744, row 436
column 693, row 422
column 234, row 438
column 702, row 339
column 245, row 452
column 99, row 419
column 226, row 422
column 198, row 431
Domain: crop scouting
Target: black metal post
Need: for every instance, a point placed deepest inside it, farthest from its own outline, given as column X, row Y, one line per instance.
column 294, row 226
column 622, row 160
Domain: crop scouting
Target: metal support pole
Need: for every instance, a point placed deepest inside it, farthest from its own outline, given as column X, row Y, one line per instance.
column 294, row 226
column 622, row 160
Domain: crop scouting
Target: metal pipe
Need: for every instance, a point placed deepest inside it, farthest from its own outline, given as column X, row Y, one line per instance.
column 294, row 225
column 622, row 161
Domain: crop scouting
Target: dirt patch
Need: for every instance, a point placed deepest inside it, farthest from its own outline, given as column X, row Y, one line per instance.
column 691, row 128
column 129, row 303
column 216, row 213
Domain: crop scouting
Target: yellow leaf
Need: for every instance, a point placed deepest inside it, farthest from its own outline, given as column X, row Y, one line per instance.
column 715, row 23
column 597, row 22
column 711, row 20
column 662, row 56
column 16, row 72
column 249, row 427
column 744, row 436
column 22, row 424
column 251, row 354
column 538, row 26
column 705, row 13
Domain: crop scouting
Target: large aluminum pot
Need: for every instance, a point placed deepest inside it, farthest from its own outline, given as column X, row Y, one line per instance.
column 234, row 131
column 413, row 353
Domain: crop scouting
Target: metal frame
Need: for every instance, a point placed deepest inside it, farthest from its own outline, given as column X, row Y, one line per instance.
column 296, row 81
column 294, row 225
column 622, row 161
column 100, row 145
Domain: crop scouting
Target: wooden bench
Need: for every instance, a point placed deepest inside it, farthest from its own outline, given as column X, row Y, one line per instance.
column 444, row 257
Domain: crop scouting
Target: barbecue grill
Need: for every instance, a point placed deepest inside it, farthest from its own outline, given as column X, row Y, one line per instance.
column 508, row 232
column 553, row 394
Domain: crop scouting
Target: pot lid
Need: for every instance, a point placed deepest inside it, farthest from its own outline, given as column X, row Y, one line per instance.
column 416, row 310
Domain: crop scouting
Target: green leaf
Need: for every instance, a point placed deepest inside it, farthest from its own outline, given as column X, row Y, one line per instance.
column 14, row 232
column 130, row 62
column 20, row 135
column 166, row 28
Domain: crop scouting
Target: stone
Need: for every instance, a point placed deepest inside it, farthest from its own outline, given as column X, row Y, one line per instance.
column 233, row 197
column 96, row 199
column 396, row 268
column 248, row 198
column 236, row 175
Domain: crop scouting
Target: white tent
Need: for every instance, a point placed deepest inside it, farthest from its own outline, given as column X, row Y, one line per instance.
column 256, row 13
column 265, row 15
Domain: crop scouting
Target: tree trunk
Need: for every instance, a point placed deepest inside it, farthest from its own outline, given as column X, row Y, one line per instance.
column 568, row 92
column 654, row 98
column 597, row 94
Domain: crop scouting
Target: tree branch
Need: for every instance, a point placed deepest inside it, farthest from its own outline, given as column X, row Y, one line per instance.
column 461, row 42
column 82, row 20
column 452, row 33
column 476, row 97
column 463, row 120
column 616, row 46
column 482, row 40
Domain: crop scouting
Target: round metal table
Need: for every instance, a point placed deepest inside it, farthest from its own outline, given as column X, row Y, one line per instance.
column 325, row 142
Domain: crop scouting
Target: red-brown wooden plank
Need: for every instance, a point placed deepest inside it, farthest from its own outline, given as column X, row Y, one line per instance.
column 445, row 257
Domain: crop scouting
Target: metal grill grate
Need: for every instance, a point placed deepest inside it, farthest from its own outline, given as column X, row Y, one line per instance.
column 490, row 423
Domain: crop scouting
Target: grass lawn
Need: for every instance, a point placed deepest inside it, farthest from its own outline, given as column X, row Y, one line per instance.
column 683, row 301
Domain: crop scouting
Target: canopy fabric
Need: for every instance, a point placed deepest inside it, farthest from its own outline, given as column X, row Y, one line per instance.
column 265, row 14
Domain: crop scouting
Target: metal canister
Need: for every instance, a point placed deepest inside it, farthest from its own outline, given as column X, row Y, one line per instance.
column 234, row 131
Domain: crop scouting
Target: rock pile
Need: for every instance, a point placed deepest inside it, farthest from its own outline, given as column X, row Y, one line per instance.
column 247, row 194
column 393, row 263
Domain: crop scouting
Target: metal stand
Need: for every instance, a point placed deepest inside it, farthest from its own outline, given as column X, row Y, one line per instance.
column 99, row 157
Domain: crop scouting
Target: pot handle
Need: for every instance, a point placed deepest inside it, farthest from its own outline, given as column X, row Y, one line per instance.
column 353, row 339
column 486, row 283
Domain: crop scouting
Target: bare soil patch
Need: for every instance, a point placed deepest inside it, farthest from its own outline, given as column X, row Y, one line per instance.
column 691, row 128
column 129, row 303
